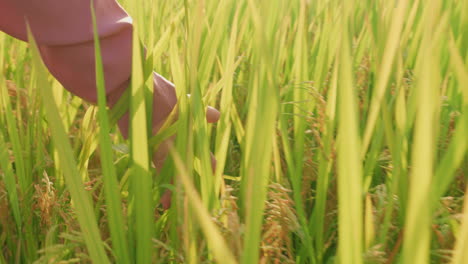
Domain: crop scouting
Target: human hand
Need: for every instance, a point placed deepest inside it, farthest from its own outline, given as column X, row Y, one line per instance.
column 164, row 102
column 212, row 116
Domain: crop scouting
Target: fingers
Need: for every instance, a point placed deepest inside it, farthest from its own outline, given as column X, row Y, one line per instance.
column 213, row 162
column 212, row 114
column 166, row 199
column 159, row 157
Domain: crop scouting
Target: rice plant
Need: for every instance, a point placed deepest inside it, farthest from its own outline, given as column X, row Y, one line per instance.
column 342, row 139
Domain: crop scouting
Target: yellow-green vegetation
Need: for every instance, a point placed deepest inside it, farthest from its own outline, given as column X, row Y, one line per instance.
column 342, row 139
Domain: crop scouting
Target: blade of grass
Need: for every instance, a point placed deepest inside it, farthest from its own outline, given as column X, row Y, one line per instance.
column 416, row 244
column 111, row 187
column 82, row 202
column 385, row 70
column 260, row 128
column 350, row 196
column 325, row 168
column 458, row 146
column 460, row 254
column 8, row 176
column 224, row 127
column 217, row 243
column 10, row 182
column 141, row 178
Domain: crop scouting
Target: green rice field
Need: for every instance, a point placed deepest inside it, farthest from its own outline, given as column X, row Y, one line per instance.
column 343, row 138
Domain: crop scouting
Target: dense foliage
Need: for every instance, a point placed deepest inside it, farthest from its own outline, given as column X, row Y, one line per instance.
column 342, row 139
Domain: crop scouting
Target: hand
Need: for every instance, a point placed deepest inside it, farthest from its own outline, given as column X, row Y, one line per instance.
column 212, row 116
column 164, row 101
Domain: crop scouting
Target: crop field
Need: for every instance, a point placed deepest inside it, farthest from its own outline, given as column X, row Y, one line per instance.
column 343, row 138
